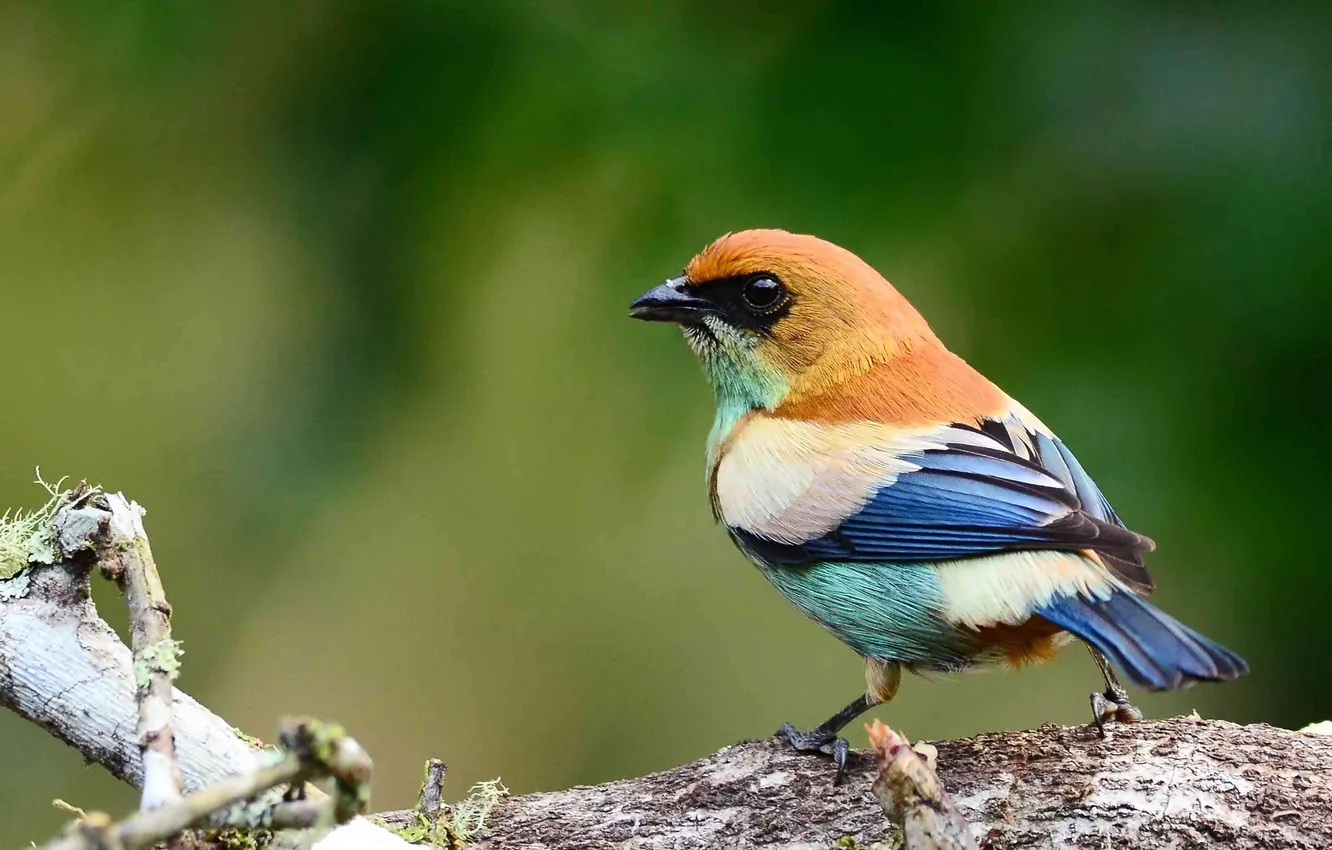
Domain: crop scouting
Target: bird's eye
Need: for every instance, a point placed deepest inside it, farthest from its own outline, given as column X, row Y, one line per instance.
column 763, row 294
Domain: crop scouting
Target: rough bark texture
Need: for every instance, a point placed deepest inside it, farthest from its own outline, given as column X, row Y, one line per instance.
column 1182, row 783
column 65, row 669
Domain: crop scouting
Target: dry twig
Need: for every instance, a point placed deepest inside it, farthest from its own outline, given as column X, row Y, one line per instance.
column 124, row 556
column 432, row 790
column 308, row 750
column 913, row 797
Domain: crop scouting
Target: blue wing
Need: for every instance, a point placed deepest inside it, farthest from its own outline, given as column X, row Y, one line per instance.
column 999, row 487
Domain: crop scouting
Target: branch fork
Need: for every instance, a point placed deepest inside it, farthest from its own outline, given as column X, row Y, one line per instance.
column 74, row 659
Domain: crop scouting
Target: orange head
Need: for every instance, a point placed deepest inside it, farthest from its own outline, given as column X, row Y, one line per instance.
column 776, row 316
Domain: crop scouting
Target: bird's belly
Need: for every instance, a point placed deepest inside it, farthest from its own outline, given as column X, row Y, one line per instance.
column 889, row 612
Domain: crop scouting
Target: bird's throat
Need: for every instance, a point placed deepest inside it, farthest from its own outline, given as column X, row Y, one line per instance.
column 739, row 389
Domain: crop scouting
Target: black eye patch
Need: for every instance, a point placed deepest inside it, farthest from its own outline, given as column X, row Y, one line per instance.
column 753, row 302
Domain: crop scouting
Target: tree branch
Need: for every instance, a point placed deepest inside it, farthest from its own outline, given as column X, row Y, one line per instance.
column 1175, row 783
column 63, row 668
column 308, row 750
column 124, row 556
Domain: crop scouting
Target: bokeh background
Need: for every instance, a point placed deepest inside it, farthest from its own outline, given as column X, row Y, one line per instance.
column 338, row 291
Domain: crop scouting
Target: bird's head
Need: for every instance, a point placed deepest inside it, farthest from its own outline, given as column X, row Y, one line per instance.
column 775, row 316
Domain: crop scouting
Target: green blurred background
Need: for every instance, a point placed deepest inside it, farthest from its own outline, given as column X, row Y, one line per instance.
column 338, row 291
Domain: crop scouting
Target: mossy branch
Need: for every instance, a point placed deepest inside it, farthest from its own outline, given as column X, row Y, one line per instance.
column 308, row 750
column 64, row 668
column 28, row 537
column 1182, row 782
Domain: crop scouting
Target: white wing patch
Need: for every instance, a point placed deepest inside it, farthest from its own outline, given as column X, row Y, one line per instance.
column 956, row 436
column 791, row 481
column 1027, row 418
column 1006, row 587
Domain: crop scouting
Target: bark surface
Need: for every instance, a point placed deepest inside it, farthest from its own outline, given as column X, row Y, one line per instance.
column 1181, row 783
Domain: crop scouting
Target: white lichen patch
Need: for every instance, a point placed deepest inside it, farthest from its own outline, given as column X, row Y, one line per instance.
column 15, row 588
column 776, row 780
column 126, row 524
column 700, row 829
column 1196, row 788
column 255, row 813
column 973, row 804
column 740, row 765
column 1196, row 784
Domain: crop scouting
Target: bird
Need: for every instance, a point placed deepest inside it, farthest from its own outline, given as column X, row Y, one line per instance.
column 896, row 496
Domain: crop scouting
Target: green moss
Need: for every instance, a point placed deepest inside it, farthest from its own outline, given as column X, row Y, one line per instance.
column 243, row 839
column 27, row 537
column 420, row 831
column 163, row 655
column 849, row 842
column 323, row 738
column 249, row 739
column 459, row 824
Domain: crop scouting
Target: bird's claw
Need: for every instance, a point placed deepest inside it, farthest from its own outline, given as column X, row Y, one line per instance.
column 841, row 749
column 1113, row 704
column 819, row 741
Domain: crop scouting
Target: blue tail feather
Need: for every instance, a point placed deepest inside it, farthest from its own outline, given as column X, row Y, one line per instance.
column 1153, row 648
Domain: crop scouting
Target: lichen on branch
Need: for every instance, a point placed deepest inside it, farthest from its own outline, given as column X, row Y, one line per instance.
column 27, row 537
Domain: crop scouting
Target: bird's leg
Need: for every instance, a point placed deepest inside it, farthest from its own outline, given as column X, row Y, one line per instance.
column 823, row 738
column 1112, row 703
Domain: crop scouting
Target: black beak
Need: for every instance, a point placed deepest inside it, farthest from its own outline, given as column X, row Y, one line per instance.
column 670, row 302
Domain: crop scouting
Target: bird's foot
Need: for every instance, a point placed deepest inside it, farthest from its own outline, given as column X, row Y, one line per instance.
column 819, row 740
column 1113, row 704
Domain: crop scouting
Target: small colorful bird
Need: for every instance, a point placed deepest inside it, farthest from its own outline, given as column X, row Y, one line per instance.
column 896, row 496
